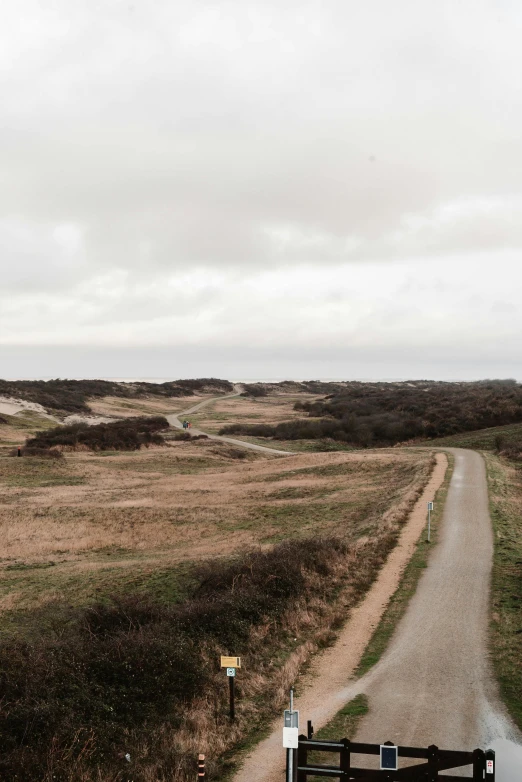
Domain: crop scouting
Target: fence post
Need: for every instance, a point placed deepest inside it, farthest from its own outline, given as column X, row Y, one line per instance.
column 201, row 768
column 309, row 730
column 433, row 766
column 302, row 758
column 345, row 757
column 479, row 764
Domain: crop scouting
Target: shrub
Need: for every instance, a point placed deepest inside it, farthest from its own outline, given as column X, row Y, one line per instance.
column 384, row 414
column 511, row 450
column 254, row 389
column 126, row 435
column 182, row 436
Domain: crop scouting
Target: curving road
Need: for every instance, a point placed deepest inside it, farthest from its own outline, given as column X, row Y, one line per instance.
column 434, row 684
column 174, row 420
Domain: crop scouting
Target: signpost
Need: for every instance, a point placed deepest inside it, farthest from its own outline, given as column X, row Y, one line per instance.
column 291, row 739
column 430, row 508
column 231, row 663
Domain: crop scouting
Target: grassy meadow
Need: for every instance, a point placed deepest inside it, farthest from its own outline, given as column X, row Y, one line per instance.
column 92, row 523
column 481, row 439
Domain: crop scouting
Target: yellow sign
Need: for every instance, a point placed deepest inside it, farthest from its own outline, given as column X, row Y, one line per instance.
column 231, row 662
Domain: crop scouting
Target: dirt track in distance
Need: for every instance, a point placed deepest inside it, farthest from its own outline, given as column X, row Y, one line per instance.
column 174, row 420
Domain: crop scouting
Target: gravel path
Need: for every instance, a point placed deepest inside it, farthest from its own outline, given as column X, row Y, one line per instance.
column 434, row 684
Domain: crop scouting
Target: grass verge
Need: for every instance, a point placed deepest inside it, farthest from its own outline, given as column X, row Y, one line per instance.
column 345, row 723
column 480, row 439
column 505, row 496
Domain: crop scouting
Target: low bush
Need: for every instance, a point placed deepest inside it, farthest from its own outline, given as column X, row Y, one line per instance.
column 126, row 435
column 509, row 449
column 182, row 436
column 254, row 389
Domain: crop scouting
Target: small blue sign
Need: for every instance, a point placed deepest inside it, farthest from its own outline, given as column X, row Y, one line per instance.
column 389, row 757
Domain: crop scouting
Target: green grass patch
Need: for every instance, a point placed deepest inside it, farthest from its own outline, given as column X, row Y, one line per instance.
column 29, row 420
column 375, row 467
column 296, row 519
column 169, row 465
column 33, row 472
column 408, row 584
column 505, row 492
column 343, row 726
column 166, row 584
column 481, row 439
column 303, row 492
column 295, row 446
column 35, row 482
column 30, row 566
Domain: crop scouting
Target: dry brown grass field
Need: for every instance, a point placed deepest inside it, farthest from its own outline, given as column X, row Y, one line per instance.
column 125, row 408
column 271, row 409
column 89, row 523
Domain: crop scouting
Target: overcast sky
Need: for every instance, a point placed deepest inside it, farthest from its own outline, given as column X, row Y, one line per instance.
column 261, row 189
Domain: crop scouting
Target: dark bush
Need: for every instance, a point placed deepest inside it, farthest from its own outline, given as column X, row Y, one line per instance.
column 511, row 450
column 126, row 435
column 254, row 389
column 383, row 414
column 182, row 436
column 72, row 395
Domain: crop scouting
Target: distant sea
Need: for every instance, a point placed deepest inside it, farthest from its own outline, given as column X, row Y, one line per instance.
column 263, row 380
column 251, row 379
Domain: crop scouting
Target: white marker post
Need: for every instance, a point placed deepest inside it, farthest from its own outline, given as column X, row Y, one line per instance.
column 291, row 739
column 430, row 508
